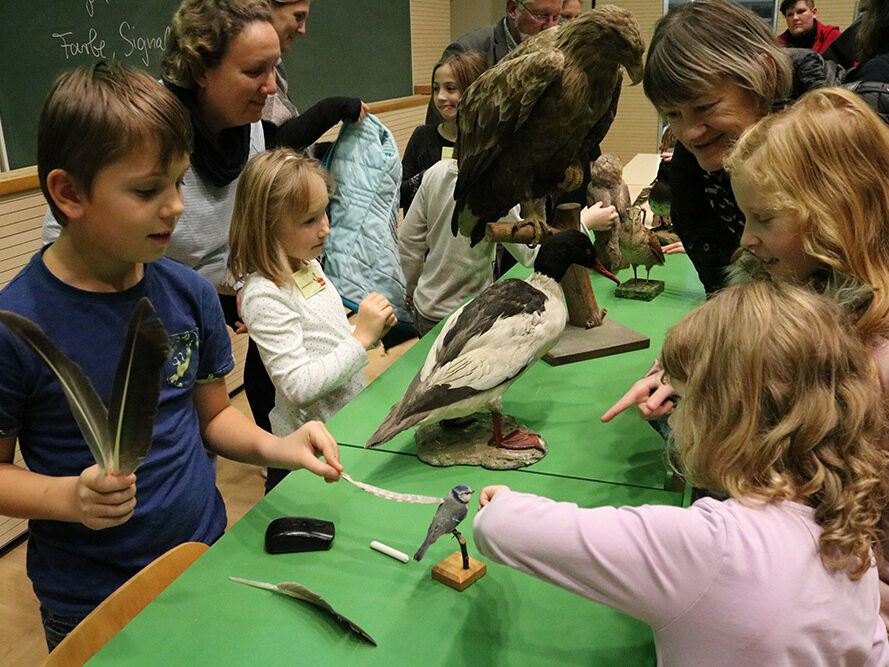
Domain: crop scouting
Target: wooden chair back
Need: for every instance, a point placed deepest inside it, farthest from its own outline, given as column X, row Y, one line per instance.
column 119, row 608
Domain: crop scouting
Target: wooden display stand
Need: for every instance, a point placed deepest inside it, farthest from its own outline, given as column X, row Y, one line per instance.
column 638, row 289
column 458, row 570
column 588, row 334
column 450, row 572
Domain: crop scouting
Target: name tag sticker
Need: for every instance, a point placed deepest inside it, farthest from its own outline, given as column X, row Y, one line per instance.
column 309, row 280
column 447, row 152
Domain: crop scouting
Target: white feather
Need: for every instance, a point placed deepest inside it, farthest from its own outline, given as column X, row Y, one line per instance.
column 392, row 495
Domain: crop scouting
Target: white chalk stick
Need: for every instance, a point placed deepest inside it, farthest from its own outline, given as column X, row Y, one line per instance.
column 389, row 551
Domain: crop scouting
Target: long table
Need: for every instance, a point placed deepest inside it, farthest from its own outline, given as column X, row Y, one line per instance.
column 505, row 618
column 563, row 403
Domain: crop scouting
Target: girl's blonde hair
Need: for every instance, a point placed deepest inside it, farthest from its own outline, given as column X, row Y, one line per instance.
column 826, row 159
column 781, row 401
column 274, row 186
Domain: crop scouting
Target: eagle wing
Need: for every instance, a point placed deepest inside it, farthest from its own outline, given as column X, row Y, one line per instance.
column 497, row 105
column 598, row 131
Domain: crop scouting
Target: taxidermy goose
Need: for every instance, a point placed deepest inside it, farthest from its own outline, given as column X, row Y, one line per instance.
column 489, row 342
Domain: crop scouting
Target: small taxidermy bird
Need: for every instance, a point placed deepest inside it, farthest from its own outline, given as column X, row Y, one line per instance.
column 489, row 342
column 524, row 123
column 607, row 186
column 638, row 243
column 447, row 517
column 118, row 436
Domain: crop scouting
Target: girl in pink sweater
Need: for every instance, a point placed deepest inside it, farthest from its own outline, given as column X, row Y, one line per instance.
column 777, row 406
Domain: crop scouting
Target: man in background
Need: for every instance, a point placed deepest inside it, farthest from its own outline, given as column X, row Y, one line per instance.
column 803, row 29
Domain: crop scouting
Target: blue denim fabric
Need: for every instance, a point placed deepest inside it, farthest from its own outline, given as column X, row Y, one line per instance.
column 56, row 627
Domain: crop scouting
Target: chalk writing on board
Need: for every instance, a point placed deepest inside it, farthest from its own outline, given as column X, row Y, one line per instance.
column 141, row 43
column 92, row 45
column 89, row 6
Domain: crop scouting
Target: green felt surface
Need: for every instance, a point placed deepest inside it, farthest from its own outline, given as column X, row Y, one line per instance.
column 562, row 403
column 505, row 618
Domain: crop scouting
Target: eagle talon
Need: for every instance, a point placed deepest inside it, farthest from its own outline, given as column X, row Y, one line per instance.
column 572, row 180
column 541, row 229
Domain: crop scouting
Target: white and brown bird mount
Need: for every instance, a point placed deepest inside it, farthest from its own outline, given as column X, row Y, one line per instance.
column 641, row 247
column 588, row 334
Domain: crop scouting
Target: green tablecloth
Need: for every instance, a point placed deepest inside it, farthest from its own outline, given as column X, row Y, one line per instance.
column 505, row 618
column 563, row 403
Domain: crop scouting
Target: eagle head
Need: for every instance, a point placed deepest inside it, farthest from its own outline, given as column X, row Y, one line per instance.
column 609, row 31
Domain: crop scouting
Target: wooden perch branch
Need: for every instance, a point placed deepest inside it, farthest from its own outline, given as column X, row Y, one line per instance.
column 583, row 310
column 502, row 232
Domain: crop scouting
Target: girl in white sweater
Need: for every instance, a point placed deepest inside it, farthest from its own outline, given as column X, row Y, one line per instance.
column 313, row 355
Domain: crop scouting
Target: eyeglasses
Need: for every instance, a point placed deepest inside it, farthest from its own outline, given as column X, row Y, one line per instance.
column 541, row 19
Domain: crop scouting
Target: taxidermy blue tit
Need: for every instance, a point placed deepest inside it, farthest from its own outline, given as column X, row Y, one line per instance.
column 118, row 436
column 447, row 517
column 489, row 342
column 525, row 123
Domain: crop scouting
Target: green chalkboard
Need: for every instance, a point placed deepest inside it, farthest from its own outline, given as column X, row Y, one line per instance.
column 360, row 48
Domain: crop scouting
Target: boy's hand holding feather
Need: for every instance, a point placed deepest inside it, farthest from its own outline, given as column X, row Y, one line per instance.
column 102, row 500
column 118, row 436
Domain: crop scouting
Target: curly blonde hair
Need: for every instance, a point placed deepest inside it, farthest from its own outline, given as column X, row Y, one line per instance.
column 274, row 186
column 781, row 401
column 826, row 159
column 201, row 32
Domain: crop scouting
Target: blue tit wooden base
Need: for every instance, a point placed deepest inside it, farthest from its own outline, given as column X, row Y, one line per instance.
column 450, row 571
column 638, row 289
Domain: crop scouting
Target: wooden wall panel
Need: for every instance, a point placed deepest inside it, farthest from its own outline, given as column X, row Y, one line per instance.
column 430, row 34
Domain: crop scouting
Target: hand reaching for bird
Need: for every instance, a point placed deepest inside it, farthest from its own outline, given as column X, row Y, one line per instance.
column 375, row 317
column 673, row 248
column 102, row 500
column 599, row 218
column 651, row 396
column 488, row 493
column 304, row 447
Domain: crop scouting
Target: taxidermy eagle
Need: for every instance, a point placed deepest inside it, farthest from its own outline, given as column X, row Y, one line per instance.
column 524, row 123
column 489, row 342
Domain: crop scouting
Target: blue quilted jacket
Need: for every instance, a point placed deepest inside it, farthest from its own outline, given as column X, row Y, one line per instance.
column 361, row 254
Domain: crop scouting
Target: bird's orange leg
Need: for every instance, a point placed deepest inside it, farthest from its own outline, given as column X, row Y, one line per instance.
column 514, row 440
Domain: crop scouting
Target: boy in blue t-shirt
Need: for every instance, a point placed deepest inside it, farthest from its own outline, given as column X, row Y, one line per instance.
column 113, row 145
